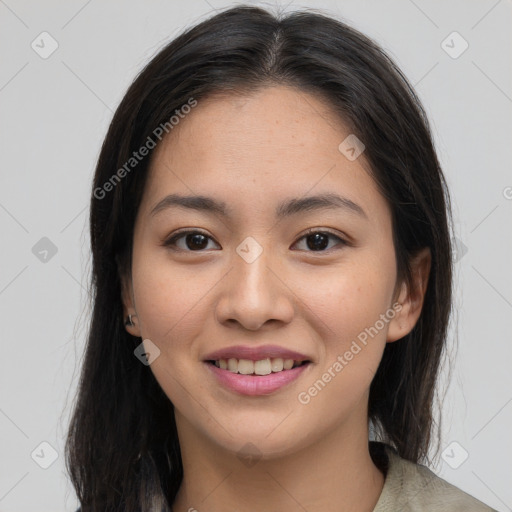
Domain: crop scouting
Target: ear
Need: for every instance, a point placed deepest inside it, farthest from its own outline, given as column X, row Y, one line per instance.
column 128, row 301
column 411, row 297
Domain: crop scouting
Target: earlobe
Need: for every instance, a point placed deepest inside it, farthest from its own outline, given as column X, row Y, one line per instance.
column 129, row 319
column 397, row 329
column 411, row 296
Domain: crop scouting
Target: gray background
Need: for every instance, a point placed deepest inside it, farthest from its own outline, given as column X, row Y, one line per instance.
column 55, row 113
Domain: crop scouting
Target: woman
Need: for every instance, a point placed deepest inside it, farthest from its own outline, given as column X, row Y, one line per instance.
column 272, row 278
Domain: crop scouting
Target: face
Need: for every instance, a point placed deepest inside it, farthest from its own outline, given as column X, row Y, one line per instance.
column 318, row 280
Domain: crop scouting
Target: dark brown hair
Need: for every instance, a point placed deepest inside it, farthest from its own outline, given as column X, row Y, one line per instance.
column 122, row 448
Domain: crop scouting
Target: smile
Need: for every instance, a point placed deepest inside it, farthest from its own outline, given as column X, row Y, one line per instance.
column 253, row 378
column 262, row 367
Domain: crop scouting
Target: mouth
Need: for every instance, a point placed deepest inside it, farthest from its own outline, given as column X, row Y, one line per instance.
column 256, row 378
column 261, row 367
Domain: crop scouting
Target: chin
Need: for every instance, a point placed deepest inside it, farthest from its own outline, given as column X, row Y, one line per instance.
column 261, row 442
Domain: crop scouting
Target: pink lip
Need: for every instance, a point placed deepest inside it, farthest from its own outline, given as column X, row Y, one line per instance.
column 254, row 385
column 255, row 353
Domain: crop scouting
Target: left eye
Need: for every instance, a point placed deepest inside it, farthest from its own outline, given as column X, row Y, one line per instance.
column 318, row 241
column 196, row 241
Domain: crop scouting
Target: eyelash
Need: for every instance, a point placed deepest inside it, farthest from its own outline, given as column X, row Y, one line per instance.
column 171, row 242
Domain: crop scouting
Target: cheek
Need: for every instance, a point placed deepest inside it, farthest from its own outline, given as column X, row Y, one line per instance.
column 169, row 299
column 353, row 305
column 349, row 299
column 171, row 307
column 352, row 348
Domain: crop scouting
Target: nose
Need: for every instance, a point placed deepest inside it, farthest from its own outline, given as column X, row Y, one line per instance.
column 254, row 294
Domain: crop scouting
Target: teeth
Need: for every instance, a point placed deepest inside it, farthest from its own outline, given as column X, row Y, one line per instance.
column 245, row 367
column 277, row 364
column 288, row 364
column 261, row 367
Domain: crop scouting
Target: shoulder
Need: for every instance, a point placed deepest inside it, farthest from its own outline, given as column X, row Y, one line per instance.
column 415, row 488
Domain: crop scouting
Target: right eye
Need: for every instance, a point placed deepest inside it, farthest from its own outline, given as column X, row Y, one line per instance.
column 194, row 241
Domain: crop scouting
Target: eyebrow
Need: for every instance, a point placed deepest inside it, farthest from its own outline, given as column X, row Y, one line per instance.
column 284, row 209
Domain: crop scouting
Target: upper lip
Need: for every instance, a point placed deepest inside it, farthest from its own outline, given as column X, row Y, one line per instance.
column 255, row 353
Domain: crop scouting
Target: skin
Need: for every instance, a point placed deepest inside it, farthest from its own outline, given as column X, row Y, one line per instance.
column 253, row 151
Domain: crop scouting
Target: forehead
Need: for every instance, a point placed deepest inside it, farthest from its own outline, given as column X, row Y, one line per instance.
column 274, row 143
column 275, row 120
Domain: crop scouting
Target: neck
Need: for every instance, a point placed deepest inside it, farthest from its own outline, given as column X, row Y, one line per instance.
column 335, row 473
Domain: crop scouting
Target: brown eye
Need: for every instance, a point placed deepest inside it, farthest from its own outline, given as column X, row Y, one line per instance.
column 194, row 241
column 318, row 241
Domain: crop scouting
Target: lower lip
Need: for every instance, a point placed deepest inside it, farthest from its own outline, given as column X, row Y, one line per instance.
column 254, row 385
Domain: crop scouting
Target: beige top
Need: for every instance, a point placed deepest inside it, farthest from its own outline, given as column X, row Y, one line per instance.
column 412, row 487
